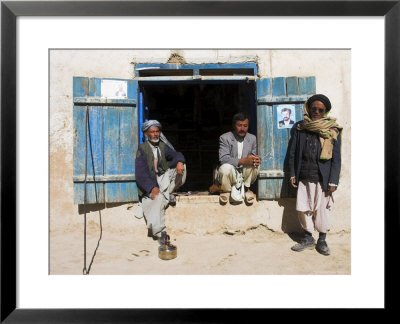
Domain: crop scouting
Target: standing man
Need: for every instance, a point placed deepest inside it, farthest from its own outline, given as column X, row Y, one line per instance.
column 160, row 170
column 314, row 166
column 239, row 162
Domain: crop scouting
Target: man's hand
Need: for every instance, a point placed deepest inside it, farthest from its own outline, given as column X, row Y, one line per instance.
column 179, row 168
column 256, row 161
column 331, row 189
column 246, row 161
column 154, row 192
column 253, row 160
column 293, row 182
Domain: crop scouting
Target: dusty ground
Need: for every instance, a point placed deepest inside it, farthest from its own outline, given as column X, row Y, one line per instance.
column 255, row 251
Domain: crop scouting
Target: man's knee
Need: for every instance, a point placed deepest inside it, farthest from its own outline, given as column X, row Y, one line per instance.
column 226, row 169
column 176, row 180
column 159, row 201
column 183, row 175
column 251, row 169
column 250, row 174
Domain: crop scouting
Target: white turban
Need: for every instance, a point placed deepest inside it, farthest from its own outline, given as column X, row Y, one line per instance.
column 150, row 123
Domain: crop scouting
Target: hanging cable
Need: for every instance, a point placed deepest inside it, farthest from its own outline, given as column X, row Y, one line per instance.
column 85, row 193
column 86, row 271
column 97, row 200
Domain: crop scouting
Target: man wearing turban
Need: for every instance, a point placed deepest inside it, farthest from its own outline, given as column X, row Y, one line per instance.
column 314, row 166
column 160, row 170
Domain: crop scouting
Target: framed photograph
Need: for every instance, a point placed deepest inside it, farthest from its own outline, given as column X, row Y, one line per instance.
column 26, row 147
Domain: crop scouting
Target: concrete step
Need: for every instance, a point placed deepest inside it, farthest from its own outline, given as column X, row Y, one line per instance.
column 198, row 198
column 198, row 214
column 203, row 214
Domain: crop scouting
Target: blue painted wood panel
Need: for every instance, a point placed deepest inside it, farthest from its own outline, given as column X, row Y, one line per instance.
column 307, row 85
column 278, row 87
column 265, row 136
column 80, row 87
column 280, row 140
column 270, row 188
column 128, row 136
column 112, row 143
column 111, row 152
column 264, row 88
column 299, row 112
column 79, row 119
column 273, row 141
column 120, row 145
column 140, row 116
column 194, row 67
column 94, row 152
column 292, row 86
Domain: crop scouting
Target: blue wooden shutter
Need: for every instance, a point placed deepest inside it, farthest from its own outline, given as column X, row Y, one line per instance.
column 272, row 94
column 112, row 140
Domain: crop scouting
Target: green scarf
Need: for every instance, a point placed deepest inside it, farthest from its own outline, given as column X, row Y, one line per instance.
column 327, row 129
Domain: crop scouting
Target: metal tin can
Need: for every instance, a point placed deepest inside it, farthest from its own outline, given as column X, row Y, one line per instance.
column 167, row 252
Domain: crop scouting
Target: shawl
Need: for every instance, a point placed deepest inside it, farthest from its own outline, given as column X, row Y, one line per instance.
column 327, row 129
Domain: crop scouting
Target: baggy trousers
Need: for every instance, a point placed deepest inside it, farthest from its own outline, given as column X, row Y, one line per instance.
column 154, row 210
column 313, row 205
column 228, row 177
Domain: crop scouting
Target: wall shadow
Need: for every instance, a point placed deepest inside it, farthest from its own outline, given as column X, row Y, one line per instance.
column 90, row 208
column 290, row 222
column 97, row 207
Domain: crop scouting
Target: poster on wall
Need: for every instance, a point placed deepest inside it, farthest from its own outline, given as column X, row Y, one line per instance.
column 286, row 115
column 114, row 89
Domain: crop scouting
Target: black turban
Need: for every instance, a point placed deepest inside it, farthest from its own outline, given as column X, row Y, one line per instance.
column 322, row 98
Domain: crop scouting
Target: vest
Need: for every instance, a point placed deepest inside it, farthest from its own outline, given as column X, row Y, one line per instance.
column 309, row 161
column 162, row 166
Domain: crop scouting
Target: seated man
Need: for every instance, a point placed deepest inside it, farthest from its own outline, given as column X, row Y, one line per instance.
column 160, row 170
column 239, row 162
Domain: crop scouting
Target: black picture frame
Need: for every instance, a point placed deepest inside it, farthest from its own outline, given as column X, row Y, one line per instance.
column 10, row 10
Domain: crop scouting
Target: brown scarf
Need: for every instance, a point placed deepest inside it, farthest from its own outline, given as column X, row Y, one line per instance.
column 327, row 129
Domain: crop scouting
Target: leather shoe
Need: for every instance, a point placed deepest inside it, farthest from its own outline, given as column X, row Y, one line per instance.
column 322, row 247
column 305, row 243
column 224, row 197
column 249, row 196
column 172, row 199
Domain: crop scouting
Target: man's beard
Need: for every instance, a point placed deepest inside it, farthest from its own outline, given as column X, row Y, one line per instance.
column 154, row 140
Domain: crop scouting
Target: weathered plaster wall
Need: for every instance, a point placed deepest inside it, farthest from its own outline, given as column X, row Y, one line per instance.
column 330, row 67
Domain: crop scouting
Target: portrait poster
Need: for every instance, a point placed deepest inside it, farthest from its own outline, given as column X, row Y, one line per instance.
column 113, row 89
column 286, row 116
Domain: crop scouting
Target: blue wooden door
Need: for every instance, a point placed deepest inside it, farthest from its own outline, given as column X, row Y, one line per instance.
column 143, row 111
column 277, row 98
column 106, row 111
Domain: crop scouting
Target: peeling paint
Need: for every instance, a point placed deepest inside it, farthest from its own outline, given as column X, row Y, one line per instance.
column 176, row 58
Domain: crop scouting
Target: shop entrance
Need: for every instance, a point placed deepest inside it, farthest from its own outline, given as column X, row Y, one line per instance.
column 194, row 115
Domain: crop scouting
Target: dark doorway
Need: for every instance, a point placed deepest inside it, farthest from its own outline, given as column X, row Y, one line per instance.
column 194, row 116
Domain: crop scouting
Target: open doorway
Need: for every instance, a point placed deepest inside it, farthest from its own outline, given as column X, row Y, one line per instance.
column 194, row 115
